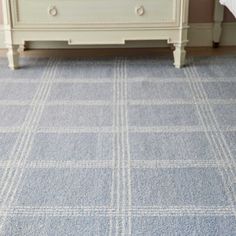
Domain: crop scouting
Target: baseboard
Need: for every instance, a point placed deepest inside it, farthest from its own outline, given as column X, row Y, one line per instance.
column 229, row 34
column 200, row 35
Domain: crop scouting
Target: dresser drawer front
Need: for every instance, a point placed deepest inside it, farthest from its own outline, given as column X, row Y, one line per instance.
column 76, row 13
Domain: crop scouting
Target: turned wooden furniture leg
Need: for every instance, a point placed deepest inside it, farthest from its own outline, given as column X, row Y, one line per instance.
column 179, row 55
column 13, row 56
column 217, row 27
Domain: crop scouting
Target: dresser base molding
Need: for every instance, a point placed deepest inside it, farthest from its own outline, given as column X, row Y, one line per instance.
column 98, row 38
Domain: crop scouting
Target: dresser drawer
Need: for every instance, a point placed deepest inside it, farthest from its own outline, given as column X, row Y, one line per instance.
column 75, row 13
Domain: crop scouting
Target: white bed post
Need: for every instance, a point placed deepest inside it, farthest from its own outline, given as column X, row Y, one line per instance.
column 217, row 27
column 12, row 54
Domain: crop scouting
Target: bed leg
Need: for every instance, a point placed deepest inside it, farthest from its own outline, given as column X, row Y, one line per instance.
column 217, row 27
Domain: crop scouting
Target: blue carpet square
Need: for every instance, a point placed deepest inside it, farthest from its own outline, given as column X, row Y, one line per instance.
column 101, row 91
column 170, row 146
column 216, row 67
column 223, row 90
column 159, row 91
column 85, row 69
column 169, row 187
column 163, row 115
column 7, row 142
column 225, row 115
column 154, row 68
column 82, row 146
column 72, row 116
column 17, row 91
column 66, row 187
column 53, row 226
column 230, row 138
column 12, row 115
column 184, row 226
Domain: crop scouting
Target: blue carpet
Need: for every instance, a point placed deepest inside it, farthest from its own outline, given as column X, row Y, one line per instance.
column 118, row 146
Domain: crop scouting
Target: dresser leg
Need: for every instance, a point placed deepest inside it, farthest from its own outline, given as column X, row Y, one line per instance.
column 179, row 55
column 22, row 48
column 13, row 57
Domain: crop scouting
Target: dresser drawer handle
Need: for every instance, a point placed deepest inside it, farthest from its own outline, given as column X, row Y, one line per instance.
column 52, row 11
column 140, row 10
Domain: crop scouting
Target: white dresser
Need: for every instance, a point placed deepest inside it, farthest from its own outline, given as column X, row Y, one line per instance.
column 95, row 22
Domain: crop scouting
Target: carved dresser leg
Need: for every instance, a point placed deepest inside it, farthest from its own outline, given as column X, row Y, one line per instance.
column 179, row 54
column 13, row 57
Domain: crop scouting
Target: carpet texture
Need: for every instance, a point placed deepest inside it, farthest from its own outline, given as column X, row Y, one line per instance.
column 118, row 146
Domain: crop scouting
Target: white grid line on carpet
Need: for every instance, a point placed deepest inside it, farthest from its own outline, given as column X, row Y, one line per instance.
column 208, row 119
column 12, row 177
column 129, row 80
column 103, row 164
column 130, row 102
column 103, row 211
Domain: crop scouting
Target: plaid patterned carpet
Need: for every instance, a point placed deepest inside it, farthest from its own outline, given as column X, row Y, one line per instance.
column 118, row 147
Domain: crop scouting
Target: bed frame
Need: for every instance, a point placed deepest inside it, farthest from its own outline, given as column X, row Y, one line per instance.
column 217, row 27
